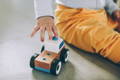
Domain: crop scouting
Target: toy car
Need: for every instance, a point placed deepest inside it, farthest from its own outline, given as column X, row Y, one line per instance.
column 51, row 57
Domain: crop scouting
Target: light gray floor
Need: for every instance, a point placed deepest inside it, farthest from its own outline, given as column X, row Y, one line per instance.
column 16, row 48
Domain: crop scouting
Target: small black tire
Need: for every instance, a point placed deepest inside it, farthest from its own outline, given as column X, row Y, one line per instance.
column 64, row 55
column 33, row 59
column 43, row 48
column 56, row 67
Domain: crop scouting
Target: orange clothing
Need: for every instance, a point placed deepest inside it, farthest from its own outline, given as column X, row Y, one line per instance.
column 90, row 30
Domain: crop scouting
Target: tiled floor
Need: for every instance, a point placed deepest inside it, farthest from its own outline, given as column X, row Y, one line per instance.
column 16, row 48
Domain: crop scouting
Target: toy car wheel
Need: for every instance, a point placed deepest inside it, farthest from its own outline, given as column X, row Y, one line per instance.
column 33, row 59
column 64, row 55
column 43, row 48
column 56, row 67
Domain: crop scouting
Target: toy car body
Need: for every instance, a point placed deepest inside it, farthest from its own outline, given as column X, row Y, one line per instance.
column 51, row 57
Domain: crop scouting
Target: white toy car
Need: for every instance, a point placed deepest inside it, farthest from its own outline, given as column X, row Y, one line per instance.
column 51, row 57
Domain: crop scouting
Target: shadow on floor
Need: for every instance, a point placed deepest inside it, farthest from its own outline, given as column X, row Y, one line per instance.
column 98, row 60
column 67, row 70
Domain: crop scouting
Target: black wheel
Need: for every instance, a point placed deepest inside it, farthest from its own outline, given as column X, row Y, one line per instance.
column 32, row 60
column 56, row 67
column 43, row 48
column 64, row 55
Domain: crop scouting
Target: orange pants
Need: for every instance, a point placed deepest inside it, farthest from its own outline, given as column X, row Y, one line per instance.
column 90, row 30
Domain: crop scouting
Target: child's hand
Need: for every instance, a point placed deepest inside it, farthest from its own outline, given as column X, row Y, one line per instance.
column 45, row 24
column 116, row 15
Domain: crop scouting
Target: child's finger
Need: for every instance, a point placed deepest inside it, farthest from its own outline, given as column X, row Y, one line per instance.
column 54, row 30
column 49, row 30
column 42, row 33
column 118, row 14
column 35, row 29
column 118, row 17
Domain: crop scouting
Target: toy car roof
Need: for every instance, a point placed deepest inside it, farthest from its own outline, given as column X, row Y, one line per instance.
column 54, row 45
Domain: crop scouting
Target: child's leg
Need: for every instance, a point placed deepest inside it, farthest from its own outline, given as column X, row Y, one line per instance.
column 89, row 30
column 102, row 40
column 109, row 45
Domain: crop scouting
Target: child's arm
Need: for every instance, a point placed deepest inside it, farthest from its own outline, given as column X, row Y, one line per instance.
column 114, row 11
column 111, row 6
column 43, row 8
column 44, row 19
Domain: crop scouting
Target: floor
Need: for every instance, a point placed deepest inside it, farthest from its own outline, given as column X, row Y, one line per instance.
column 16, row 48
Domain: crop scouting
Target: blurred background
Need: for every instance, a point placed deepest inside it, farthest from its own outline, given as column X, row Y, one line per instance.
column 16, row 47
